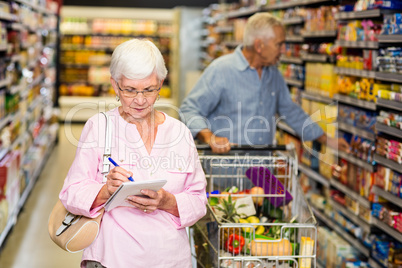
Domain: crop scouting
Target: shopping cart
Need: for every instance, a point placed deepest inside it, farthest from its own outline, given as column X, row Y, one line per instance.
column 258, row 216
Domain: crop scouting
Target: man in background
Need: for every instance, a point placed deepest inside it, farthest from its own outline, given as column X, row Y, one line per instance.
column 239, row 95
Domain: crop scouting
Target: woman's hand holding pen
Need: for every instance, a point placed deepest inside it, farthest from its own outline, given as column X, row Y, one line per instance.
column 155, row 200
column 115, row 178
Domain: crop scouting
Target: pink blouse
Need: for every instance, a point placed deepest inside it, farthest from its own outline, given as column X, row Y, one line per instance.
column 128, row 237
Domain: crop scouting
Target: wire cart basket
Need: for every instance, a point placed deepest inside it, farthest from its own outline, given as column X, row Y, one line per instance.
column 258, row 216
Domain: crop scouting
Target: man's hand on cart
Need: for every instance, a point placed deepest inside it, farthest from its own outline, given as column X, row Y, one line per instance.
column 219, row 145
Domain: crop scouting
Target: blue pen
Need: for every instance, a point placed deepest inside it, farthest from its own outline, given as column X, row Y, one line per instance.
column 116, row 165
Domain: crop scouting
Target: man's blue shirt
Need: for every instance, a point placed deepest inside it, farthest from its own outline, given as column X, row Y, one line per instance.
column 232, row 101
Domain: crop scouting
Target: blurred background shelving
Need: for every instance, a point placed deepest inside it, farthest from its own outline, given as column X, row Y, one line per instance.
column 342, row 66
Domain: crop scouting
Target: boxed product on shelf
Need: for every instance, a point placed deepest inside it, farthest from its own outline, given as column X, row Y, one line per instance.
column 352, row 205
column 357, row 117
column 3, row 212
column 337, row 250
column 389, row 60
column 340, row 171
column 360, row 88
column 305, row 184
column 359, row 30
column 392, row 24
column 320, row 19
column 324, row 236
column 364, row 213
column 386, row 250
column 9, row 178
column 389, row 148
column 292, row 71
column 318, row 201
column 391, row 119
column 309, row 154
column 320, row 79
column 388, row 213
column 3, row 34
column 383, row 177
column 360, row 147
column 327, row 160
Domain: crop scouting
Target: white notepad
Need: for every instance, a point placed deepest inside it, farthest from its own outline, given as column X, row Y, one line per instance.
column 131, row 188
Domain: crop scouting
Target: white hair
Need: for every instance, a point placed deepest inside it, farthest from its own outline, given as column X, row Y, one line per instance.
column 260, row 26
column 137, row 59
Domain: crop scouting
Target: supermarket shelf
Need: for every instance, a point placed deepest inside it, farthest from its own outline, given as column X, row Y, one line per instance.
column 314, row 57
column 242, row 12
column 356, row 161
column 294, row 20
column 14, row 214
column 294, row 39
column 388, row 229
column 355, row 102
column 87, row 47
column 387, row 195
column 286, row 128
column 139, row 35
column 319, row 34
column 83, row 66
column 343, row 233
column 313, row 175
column 365, row 14
column 389, row 130
column 357, row 44
column 288, row 4
column 355, row 72
column 223, row 29
column 374, row 264
column 396, row 105
column 7, row 16
column 353, row 217
column 388, row 163
column 316, row 97
column 294, row 60
column 344, row 189
column 390, row 77
column 294, row 82
column 392, row 38
column 356, row 131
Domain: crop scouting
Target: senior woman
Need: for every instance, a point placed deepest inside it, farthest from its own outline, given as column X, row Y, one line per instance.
column 147, row 144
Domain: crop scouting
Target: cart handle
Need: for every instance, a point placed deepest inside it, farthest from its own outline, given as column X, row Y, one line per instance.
column 264, row 147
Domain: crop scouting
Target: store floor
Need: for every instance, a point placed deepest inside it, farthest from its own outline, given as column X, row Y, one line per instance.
column 29, row 244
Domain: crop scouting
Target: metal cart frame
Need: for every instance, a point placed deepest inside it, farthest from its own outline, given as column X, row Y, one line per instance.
column 297, row 225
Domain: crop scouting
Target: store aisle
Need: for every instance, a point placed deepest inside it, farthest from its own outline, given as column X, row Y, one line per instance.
column 29, row 244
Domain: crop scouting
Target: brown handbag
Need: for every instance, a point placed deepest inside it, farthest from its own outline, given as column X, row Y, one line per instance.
column 74, row 233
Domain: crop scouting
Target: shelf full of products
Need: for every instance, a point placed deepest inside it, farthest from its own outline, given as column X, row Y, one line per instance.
column 87, row 43
column 28, row 124
column 355, row 81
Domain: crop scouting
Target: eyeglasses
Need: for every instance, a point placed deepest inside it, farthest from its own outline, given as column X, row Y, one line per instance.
column 132, row 93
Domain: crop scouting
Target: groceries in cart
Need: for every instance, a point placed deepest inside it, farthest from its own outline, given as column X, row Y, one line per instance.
column 262, row 219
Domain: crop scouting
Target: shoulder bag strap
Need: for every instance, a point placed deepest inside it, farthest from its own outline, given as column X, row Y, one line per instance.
column 108, row 142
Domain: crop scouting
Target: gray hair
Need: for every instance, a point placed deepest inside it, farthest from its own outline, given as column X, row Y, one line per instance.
column 260, row 26
column 137, row 59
